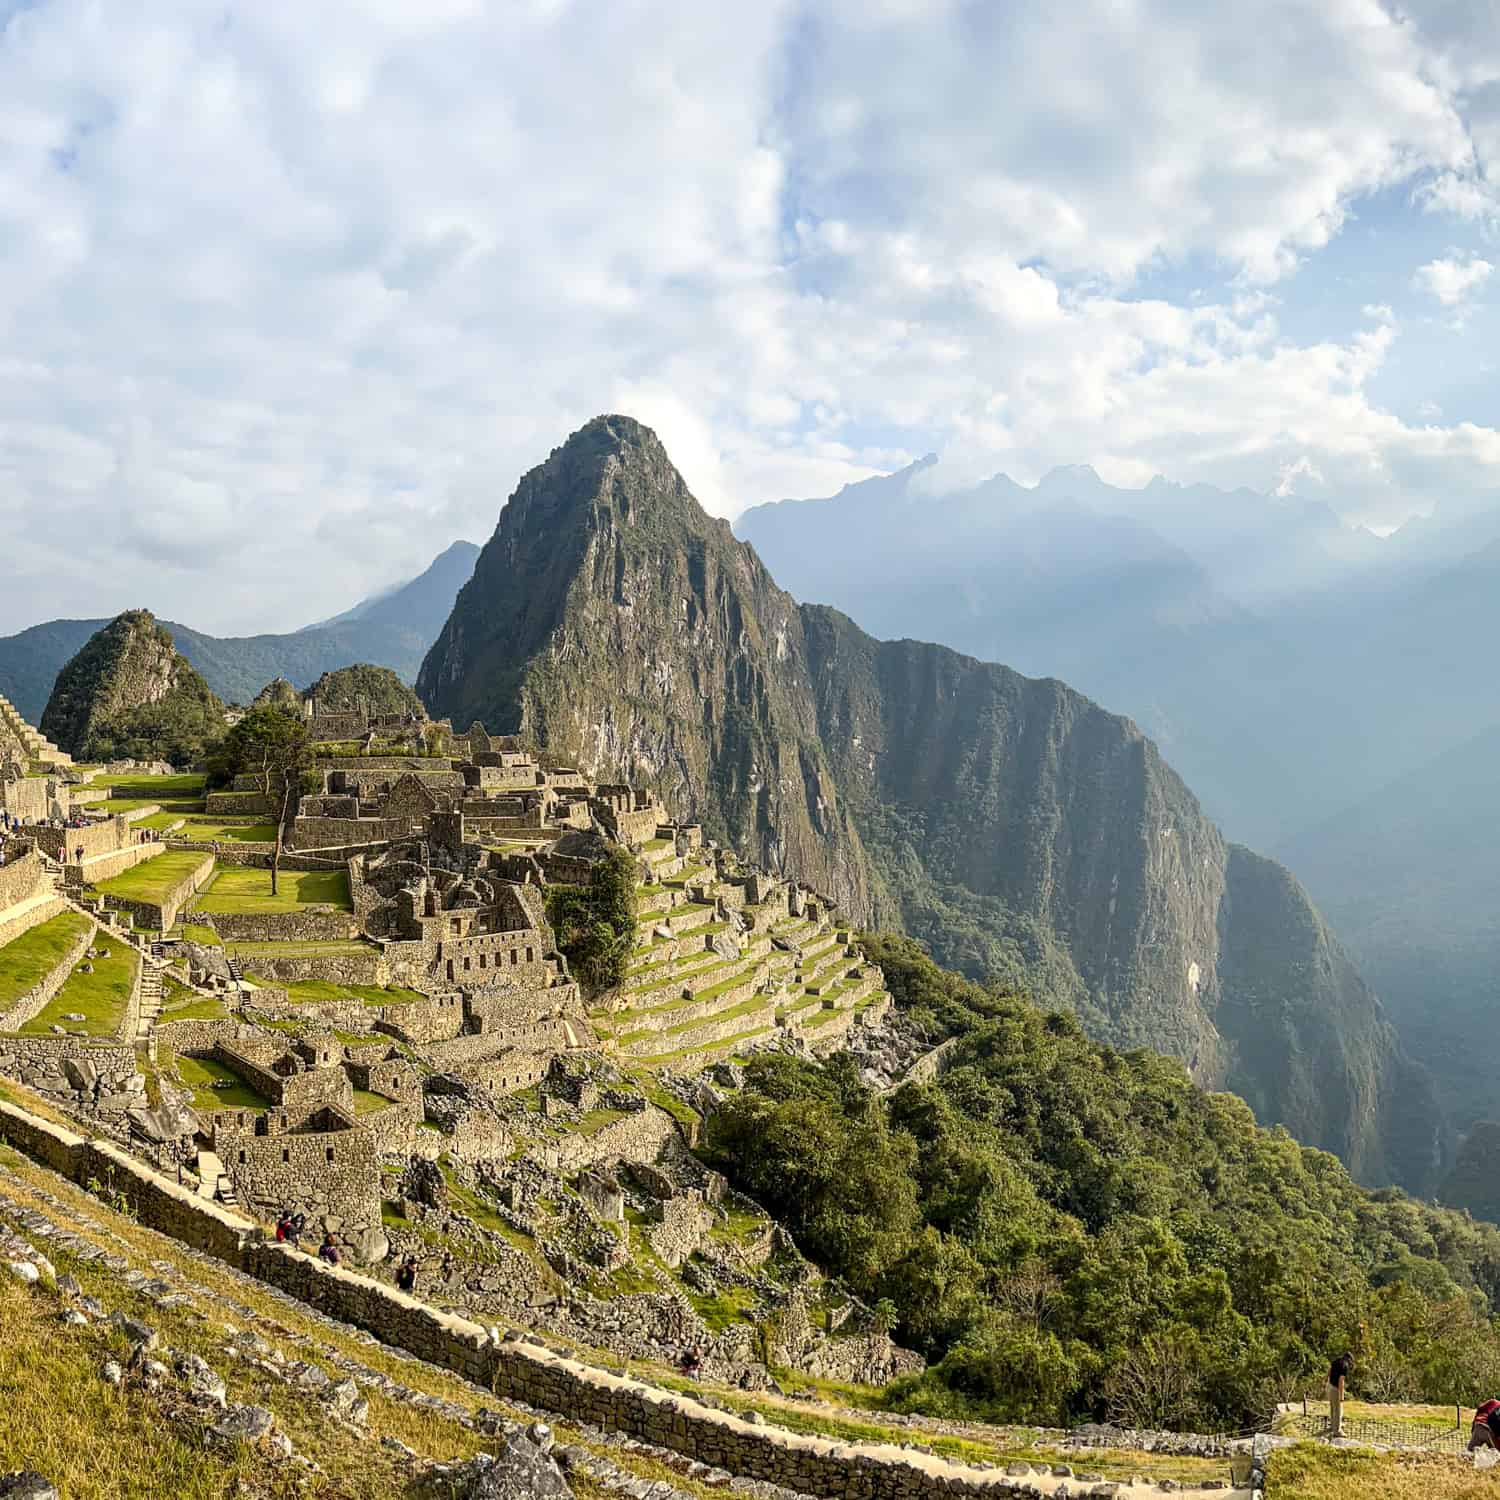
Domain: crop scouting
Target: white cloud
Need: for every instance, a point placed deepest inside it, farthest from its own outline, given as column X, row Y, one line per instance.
column 1454, row 279
column 291, row 293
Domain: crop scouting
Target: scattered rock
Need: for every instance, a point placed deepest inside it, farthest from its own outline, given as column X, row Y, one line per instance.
column 26, row 1484
column 23, row 1270
column 247, row 1424
column 112, row 1373
column 140, row 1334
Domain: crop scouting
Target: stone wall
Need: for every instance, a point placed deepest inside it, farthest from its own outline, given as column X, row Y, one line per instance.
column 284, row 926
column 420, row 1021
column 538, row 1036
column 342, row 833
column 324, row 1172
column 26, row 1006
column 22, row 878
column 362, row 966
column 14, row 923
column 635, row 1137
column 32, row 799
column 513, row 1369
column 45, row 1055
column 241, row 804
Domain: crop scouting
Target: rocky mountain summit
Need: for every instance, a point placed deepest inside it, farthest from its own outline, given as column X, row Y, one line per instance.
column 1012, row 823
column 127, row 686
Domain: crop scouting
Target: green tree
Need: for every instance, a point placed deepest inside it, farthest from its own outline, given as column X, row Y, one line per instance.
column 595, row 923
column 271, row 745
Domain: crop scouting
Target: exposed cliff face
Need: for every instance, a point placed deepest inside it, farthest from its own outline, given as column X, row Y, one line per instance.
column 1012, row 823
column 128, row 693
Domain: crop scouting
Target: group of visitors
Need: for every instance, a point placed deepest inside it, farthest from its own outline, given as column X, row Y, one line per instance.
column 290, row 1228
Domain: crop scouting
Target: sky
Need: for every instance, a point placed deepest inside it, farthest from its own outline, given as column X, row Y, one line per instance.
column 292, row 292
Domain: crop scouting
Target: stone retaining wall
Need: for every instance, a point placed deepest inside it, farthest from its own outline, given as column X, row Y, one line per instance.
column 23, row 877
column 284, row 926
column 513, row 1369
column 12, row 926
column 367, row 966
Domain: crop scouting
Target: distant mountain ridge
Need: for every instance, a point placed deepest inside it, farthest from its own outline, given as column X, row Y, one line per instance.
column 392, row 629
column 1012, row 823
column 1325, row 692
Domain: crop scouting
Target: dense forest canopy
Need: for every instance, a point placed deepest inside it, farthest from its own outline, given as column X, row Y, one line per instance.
column 1068, row 1231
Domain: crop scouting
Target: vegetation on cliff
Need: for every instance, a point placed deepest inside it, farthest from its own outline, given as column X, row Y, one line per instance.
column 595, row 923
column 1066, row 1230
column 128, row 694
column 1018, row 828
column 364, row 688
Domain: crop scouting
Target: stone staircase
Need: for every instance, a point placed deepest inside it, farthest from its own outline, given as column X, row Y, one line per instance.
column 213, row 1182
column 152, row 990
column 36, row 744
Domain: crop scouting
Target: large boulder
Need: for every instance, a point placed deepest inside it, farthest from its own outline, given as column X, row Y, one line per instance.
column 522, row 1469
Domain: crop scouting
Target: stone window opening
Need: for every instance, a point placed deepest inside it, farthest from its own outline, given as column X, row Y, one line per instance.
column 286, row 1155
column 328, row 1151
column 242, row 1158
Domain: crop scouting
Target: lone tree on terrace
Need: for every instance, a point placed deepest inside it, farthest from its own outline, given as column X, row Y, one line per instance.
column 271, row 745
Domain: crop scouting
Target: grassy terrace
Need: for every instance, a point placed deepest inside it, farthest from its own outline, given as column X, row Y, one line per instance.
column 367, row 1103
column 100, row 997
column 206, row 830
column 704, row 1049
column 249, row 951
column 233, row 890
column 153, row 879
column 216, row 1087
column 724, row 985
column 30, row 958
column 314, row 991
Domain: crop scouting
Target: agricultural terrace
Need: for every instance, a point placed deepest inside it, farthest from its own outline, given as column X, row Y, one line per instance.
column 98, row 989
column 154, row 879
column 233, row 890
column 30, row 958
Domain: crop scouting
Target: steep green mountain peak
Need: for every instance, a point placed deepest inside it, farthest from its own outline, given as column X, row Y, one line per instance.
column 1015, row 826
column 128, row 693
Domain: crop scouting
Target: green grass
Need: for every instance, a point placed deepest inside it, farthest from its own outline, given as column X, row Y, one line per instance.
column 235, row 890
column 133, row 784
column 731, row 1305
column 206, row 830
column 201, row 1073
column 745, row 1008
column 200, row 1008
column 171, row 807
column 30, row 958
column 347, row 946
column 154, row 879
column 661, row 1059
column 197, row 932
column 725, row 985
column 100, row 997
column 368, row 1103
column 1313, row 1471
column 313, row 991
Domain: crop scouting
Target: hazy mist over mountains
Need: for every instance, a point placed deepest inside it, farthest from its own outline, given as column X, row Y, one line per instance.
column 1325, row 691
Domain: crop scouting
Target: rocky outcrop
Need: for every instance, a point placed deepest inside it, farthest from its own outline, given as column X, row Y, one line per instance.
column 129, row 694
column 1009, row 821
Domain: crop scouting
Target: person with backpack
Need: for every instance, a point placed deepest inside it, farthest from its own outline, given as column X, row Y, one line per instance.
column 1484, row 1431
column 329, row 1250
column 406, row 1277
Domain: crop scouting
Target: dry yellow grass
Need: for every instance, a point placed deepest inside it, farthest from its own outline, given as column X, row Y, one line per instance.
column 1313, row 1472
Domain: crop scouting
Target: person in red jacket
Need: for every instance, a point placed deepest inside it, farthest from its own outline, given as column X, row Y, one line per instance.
column 1485, row 1433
